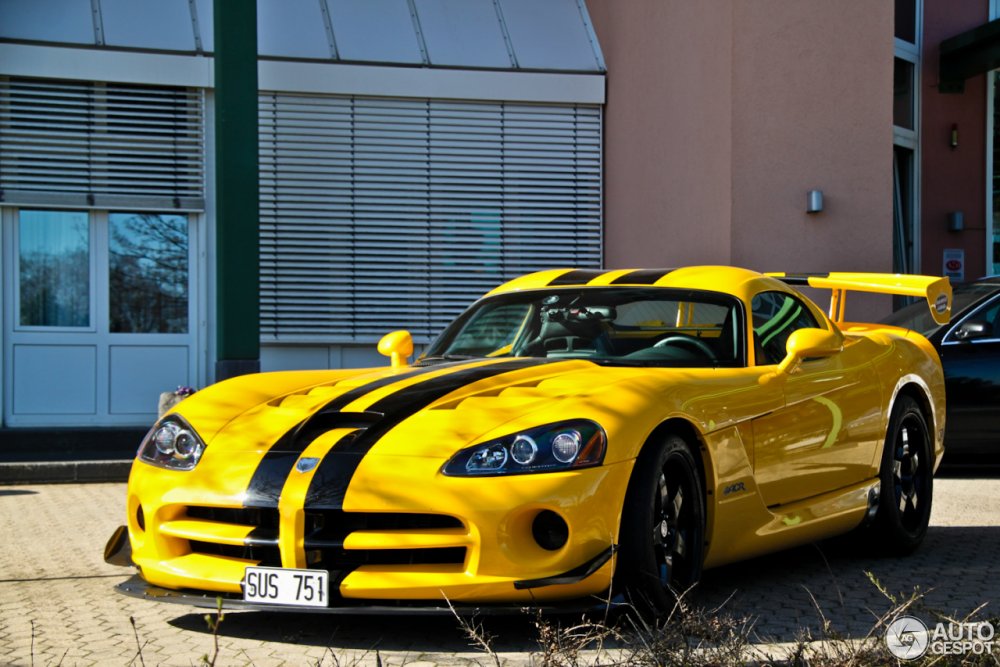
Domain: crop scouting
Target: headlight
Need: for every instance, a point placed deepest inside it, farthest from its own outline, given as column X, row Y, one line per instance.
column 578, row 443
column 173, row 444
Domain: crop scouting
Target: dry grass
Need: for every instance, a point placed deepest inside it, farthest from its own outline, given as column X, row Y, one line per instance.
column 689, row 635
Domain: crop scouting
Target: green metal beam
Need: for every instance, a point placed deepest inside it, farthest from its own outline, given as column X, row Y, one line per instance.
column 236, row 188
column 970, row 53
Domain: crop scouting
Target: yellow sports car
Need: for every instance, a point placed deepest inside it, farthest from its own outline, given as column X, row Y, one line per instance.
column 574, row 433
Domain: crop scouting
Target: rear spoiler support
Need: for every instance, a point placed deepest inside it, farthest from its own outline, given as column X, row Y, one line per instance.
column 936, row 290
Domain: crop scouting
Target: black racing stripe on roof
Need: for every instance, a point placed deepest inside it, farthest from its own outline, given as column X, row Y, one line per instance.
column 335, row 471
column 269, row 478
column 577, row 277
column 641, row 277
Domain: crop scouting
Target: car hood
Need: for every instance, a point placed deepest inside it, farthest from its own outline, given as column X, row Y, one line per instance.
column 416, row 411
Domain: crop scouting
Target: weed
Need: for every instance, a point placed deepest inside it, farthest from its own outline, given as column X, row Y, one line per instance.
column 214, row 624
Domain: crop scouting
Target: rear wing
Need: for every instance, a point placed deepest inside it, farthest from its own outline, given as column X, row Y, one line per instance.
column 936, row 290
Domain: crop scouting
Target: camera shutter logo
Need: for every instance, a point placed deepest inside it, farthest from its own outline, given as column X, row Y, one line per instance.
column 907, row 638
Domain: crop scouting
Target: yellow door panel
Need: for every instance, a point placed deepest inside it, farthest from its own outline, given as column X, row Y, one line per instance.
column 825, row 436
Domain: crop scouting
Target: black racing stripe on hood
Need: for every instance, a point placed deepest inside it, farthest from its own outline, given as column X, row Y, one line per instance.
column 334, row 474
column 641, row 277
column 345, row 399
column 577, row 277
column 269, row 478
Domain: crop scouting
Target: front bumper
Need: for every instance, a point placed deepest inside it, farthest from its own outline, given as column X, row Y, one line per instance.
column 465, row 540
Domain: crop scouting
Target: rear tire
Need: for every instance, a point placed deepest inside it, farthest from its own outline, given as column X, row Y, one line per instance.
column 663, row 526
column 907, row 481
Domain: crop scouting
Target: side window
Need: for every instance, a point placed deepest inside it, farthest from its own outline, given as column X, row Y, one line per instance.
column 775, row 316
column 992, row 316
column 988, row 314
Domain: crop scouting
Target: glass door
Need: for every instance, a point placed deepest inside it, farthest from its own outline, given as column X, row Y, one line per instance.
column 99, row 314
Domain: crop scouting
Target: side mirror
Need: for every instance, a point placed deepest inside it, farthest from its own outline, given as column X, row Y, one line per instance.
column 973, row 329
column 398, row 346
column 808, row 344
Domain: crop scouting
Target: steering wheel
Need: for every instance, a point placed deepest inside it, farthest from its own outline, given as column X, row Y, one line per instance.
column 691, row 341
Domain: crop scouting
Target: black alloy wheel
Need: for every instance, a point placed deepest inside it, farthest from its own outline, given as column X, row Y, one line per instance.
column 906, row 477
column 663, row 526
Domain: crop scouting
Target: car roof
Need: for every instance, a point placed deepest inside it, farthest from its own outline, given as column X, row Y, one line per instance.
column 986, row 280
column 726, row 279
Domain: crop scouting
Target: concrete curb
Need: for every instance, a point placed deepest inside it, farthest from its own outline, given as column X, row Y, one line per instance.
column 64, row 472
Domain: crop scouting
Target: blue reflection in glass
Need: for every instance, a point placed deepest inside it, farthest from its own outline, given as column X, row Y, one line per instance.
column 54, row 268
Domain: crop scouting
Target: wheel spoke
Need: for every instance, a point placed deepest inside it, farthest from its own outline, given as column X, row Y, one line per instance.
column 680, row 547
column 678, row 502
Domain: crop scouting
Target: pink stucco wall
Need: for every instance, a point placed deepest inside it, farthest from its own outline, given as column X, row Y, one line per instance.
column 722, row 114
column 953, row 179
column 668, row 148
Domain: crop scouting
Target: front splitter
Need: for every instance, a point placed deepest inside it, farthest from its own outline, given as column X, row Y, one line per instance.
column 137, row 587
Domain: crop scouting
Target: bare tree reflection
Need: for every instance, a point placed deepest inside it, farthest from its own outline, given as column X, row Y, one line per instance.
column 148, row 273
column 54, row 269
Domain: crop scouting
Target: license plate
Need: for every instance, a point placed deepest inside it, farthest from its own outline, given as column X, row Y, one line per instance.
column 279, row 585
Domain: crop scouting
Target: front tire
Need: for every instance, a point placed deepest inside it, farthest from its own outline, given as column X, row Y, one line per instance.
column 663, row 526
column 907, row 481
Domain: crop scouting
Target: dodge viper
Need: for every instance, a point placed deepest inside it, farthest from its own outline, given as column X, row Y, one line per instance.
column 574, row 435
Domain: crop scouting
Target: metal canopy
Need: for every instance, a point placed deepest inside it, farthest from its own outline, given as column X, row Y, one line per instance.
column 532, row 35
column 972, row 52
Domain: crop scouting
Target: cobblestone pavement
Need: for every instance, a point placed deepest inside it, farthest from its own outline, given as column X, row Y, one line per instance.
column 57, row 605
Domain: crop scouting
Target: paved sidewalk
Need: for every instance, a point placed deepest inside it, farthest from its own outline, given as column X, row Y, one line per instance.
column 57, row 605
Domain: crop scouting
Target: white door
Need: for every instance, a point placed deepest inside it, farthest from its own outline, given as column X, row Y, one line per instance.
column 99, row 315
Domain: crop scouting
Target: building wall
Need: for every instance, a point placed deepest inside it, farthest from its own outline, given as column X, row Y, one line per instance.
column 953, row 179
column 722, row 115
column 668, row 144
column 812, row 110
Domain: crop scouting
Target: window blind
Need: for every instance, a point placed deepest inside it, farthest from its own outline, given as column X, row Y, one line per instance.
column 381, row 214
column 101, row 144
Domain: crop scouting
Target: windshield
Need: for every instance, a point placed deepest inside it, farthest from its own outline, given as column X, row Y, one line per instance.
column 917, row 316
column 610, row 325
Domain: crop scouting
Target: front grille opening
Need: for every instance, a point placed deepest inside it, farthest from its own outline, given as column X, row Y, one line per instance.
column 258, row 517
column 266, row 555
column 341, row 559
column 326, row 531
column 260, row 545
column 332, row 526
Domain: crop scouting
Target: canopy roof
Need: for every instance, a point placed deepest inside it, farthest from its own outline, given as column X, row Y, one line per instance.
column 536, row 35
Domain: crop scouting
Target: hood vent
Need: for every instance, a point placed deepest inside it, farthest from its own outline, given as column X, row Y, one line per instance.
column 321, row 422
column 307, row 399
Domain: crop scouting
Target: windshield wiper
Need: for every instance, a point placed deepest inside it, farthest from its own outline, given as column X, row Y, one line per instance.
column 607, row 361
column 451, row 357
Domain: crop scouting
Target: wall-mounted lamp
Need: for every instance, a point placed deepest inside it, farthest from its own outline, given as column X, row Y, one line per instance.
column 814, row 201
column 956, row 221
column 953, row 142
